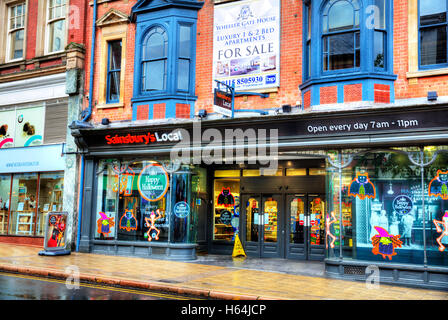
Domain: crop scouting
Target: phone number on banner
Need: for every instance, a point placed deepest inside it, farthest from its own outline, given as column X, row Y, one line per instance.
column 256, row 80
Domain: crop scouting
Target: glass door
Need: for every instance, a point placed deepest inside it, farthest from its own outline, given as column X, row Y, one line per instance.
column 252, row 222
column 272, row 231
column 316, row 209
column 297, row 231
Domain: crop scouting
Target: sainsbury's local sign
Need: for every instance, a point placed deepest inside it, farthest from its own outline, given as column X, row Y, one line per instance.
column 146, row 138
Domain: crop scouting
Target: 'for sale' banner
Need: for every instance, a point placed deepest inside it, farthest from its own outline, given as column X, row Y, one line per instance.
column 246, row 46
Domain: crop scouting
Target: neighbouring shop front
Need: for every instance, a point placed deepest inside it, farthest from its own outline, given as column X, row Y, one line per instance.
column 355, row 189
column 31, row 185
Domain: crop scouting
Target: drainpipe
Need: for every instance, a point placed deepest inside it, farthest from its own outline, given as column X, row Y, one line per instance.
column 86, row 117
column 92, row 61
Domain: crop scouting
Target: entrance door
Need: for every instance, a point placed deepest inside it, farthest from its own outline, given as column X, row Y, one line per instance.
column 316, row 224
column 261, row 220
column 297, row 231
column 305, row 238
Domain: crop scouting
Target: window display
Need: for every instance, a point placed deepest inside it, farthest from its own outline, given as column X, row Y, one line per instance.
column 23, row 204
column 142, row 201
column 51, row 190
column 226, row 209
column 387, row 214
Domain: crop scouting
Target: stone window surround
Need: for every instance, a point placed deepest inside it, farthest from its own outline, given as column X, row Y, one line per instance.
column 114, row 26
column 413, row 46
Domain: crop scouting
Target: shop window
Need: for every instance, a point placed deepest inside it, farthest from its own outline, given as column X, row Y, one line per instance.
column 56, row 30
column 433, row 33
column 114, row 71
column 16, row 31
column 226, row 200
column 23, row 204
column 341, row 35
column 5, row 187
column 51, row 194
column 133, row 203
column 381, row 205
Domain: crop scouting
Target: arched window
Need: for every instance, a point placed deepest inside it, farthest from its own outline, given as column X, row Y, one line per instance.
column 155, row 60
column 341, row 35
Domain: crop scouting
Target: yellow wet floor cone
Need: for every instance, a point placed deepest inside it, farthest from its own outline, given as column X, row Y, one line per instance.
column 238, row 249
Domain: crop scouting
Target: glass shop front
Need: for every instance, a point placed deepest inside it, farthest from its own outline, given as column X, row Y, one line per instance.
column 351, row 208
column 389, row 208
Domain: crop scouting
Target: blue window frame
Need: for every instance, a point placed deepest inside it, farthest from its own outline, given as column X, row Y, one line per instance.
column 155, row 60
column 433, row 33
column 380, row 35
column 341, row 32
column 113, row 71
column 307, row 41
column 184, row 57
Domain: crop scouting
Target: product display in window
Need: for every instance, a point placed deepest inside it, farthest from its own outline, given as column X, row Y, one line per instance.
column 226, row 209
column 317, row 221
column 270, row 220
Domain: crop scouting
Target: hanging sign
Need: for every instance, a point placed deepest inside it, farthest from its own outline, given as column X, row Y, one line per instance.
column 402, row 204
column 385, row 243
column 438, row 186
column 181, row 209
column 153, row 182
column 222, row 103
column 362, row 187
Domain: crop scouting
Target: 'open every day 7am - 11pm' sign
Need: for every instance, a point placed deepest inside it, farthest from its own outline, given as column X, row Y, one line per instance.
column 153, row 182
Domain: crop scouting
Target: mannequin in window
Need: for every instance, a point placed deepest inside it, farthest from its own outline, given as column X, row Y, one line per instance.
column 394, row 223
column 383, row 221
column 407, row 221
column 374, row 222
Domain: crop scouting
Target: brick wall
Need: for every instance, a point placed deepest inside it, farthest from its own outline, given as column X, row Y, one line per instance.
column 353, row 92
column 328, row 95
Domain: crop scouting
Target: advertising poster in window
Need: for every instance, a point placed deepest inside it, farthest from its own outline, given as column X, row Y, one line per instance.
column 29, row 127
column 7, row 122
column 246, row 44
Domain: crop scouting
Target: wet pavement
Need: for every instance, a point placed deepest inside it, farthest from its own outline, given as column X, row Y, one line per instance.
column 285, row 266
column 208, row 276
column 22, row 287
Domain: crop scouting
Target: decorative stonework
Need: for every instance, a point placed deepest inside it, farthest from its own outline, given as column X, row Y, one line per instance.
column 113, row 16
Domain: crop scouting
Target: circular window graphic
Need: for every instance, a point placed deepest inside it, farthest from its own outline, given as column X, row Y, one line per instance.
column 153, row 182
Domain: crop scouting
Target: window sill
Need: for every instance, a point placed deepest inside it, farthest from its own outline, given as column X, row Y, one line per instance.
column 427, row 73
column 110, row 105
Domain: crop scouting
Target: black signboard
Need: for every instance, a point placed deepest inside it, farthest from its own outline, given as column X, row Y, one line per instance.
column 298, row 126
column 223, row 103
